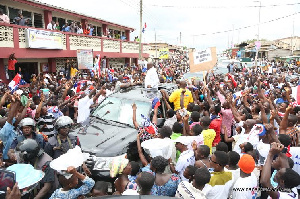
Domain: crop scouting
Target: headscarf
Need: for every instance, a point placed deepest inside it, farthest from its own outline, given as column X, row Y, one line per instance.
column 117, row 166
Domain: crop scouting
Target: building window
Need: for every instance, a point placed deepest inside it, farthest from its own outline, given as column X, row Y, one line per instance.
column 38, row 20
column 27, row 15
column 99, row 31
column 13, row 13
column 61, row 22
column 3, row 9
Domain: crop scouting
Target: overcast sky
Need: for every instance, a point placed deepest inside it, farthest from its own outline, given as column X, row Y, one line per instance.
column 196, row 17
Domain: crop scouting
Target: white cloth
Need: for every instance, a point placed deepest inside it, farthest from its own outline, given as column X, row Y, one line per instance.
column 151, row 78
column 185, row 159
column 130, row 192
column 84, row 109
column 170, row 121
column 159, row 147
column 50, row 26
column 289, row 195
column 187, row 190
column 243, row 183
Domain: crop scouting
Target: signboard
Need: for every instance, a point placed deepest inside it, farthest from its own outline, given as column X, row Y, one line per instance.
column 85, row 59
column 202, row 56
column 43, row 39
column 163, row 53
column 203, row 60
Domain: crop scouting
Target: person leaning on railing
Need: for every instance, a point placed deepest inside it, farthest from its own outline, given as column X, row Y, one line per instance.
column 3, row 17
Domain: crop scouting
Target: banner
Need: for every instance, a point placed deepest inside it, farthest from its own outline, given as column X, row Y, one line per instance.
column 85, row 59
column 202, row 56
column 203, row 60
column 163, row 53
column 43, row 39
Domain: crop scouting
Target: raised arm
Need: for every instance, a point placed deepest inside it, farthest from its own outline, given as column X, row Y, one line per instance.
column 135, row 123
column 284, row 122
column 186, row 126
column 140, row 151
column 39, row 108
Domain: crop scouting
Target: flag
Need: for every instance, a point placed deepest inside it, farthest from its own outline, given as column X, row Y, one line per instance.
column 145, row 25
column 155, row 103
column 148, row 126
column 14, row 84
column 296, row 93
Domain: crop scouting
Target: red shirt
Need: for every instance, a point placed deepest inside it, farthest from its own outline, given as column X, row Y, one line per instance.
column 216, row 125
column 11, row 64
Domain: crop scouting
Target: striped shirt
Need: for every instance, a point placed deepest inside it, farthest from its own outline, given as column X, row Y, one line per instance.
column 48, row 121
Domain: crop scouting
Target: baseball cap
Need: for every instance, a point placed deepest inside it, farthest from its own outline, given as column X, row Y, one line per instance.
column 247, row 163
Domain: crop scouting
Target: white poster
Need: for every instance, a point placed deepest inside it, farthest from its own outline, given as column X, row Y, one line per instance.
column 202, row 56
column 85, row 59
column 43, row 39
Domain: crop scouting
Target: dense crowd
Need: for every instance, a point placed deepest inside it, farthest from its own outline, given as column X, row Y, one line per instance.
column 231, row 135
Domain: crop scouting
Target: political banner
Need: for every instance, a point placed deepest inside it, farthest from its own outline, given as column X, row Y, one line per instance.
column 85, row 59
column 43, row 39
column 202, row 56
column 163, row 53
column 203, row 60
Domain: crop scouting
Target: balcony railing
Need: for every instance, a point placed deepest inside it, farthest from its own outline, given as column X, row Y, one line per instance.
column 70, row 41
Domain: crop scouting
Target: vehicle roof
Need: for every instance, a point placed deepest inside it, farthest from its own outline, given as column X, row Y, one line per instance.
column 139, row 93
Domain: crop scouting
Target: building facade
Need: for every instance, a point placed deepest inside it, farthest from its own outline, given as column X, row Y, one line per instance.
column 107, row 39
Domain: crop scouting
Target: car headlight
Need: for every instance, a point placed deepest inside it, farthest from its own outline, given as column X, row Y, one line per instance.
column 102, row 163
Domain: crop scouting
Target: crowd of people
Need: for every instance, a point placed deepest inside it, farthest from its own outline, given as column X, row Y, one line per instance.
column 231, row 135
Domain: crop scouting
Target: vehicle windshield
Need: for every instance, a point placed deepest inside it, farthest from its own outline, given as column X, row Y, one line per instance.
column 120, row 110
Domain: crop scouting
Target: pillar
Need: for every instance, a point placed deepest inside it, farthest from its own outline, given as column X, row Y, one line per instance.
column 127, row 34
column 47, row 17
column 2, row 71
column 52, row 65
column 84, row 23
column 104, row 27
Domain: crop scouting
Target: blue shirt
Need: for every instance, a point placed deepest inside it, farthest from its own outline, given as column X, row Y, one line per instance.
column 87, row 186
column 7, row 135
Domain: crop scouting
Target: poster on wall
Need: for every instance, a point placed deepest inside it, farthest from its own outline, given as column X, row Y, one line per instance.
column 44, row 67
column 85, row 59
column 43, row 39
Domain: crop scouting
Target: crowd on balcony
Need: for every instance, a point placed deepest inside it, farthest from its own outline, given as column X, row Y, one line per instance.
column 69, row 26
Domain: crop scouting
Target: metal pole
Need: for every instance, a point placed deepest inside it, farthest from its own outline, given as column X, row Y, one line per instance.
column 155, row 46
column 141, row 28
column 256, row 56
column 180, row 38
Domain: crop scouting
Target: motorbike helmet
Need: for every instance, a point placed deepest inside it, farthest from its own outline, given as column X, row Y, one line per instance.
column 63, row 121
column 28, row 150
column 27, row 122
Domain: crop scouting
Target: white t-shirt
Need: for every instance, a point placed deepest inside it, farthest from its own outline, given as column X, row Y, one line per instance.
column 151, row 78
column 243, row 183
column 84, row 109
column 187, row 190
column 185, row 159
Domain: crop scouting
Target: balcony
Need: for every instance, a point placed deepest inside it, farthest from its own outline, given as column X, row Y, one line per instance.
column 13, row 39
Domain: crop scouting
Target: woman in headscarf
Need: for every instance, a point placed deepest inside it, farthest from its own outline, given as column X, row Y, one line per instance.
column 120, row 168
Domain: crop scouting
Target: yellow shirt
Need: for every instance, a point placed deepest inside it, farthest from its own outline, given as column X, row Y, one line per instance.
column 175, row 98
column 208, row 137
column 73, row 72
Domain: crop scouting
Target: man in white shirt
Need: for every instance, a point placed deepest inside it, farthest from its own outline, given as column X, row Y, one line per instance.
column 84, row 105
column 246, row 184
column 186, row 157
column 3, row 17
column 151, row 79
column 51, row 25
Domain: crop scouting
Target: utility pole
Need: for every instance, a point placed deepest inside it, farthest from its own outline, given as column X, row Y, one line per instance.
column 155, row 45
column 292, row 39
column 180, row 38
column 256, row 56
column 141, row 28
